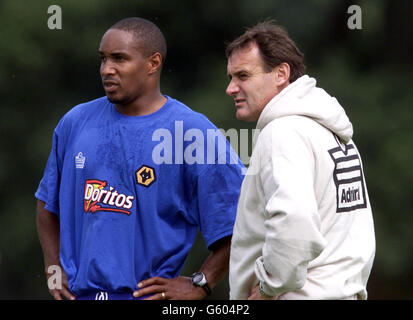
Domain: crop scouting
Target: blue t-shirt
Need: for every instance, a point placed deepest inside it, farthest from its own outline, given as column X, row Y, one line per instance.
column 131, row 192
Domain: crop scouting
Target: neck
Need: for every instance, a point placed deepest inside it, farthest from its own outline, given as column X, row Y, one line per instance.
column 144, row 105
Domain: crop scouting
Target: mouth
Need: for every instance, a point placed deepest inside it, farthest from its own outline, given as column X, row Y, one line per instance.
column 110, row 85
column 238, row 102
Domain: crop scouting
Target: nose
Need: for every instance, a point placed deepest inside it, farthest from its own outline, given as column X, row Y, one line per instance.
column 232, row 88
column 107, row 68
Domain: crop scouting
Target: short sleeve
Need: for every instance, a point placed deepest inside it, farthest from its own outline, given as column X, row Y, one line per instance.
column 218, row 190
column 48, row 190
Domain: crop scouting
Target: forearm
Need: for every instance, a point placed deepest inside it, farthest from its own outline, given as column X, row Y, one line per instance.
column 48, row 229
column 215, row 267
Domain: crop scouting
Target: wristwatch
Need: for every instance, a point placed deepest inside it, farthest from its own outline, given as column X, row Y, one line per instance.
column 198, row 279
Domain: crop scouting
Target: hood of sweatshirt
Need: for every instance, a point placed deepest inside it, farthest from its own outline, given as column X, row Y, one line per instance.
column 303, row 98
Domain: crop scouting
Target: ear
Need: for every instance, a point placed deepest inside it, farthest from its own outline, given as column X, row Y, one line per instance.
column 282, row 74
column 154, row 63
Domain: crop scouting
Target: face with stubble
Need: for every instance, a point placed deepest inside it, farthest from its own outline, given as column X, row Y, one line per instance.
column 124, row 69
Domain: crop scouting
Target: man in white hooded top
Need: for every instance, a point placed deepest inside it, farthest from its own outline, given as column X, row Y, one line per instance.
column 304, row 226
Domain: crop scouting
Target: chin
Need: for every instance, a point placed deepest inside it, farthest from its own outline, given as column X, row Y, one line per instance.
column 244, row 117
column 115, row 100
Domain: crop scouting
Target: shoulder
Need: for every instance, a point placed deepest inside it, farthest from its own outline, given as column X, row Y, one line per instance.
column 288, row 133
column 82, row 112
column 86, row 108
column 290, row 125
column 291, row 122
column 190, row 118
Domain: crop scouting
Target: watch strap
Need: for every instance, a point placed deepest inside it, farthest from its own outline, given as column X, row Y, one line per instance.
column 207, row 289
column 262, row 292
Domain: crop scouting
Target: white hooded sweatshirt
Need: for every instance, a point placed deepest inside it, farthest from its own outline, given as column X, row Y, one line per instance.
column 304, row 225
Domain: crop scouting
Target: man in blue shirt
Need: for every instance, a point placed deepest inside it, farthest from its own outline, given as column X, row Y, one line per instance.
column 131, row 178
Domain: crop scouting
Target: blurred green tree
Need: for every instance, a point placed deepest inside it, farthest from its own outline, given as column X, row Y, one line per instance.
column 43, row 73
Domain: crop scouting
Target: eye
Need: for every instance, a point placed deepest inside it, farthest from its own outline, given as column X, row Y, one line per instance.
column 102, row 58
column 119, row 58
column 243, row 76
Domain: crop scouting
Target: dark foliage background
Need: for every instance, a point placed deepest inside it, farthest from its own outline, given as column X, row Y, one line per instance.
column 43, row 73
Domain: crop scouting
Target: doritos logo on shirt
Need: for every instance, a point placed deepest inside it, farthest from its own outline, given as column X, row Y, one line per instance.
column 95, row 196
